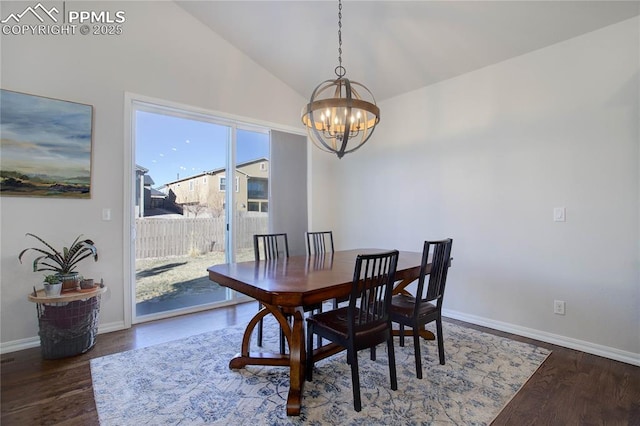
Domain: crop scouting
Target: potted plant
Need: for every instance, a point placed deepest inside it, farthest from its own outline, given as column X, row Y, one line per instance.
column 62, row 262
column 52, row 285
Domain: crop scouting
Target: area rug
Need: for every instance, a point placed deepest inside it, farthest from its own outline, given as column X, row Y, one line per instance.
column 188, row 382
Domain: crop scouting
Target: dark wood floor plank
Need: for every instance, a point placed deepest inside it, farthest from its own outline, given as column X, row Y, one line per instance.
column 570, row 388
column 575, row 388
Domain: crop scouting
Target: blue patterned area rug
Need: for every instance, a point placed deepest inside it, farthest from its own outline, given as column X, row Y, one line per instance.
column 188, row 382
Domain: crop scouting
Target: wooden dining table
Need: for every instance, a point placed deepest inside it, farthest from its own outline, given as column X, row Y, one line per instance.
column 284, row 287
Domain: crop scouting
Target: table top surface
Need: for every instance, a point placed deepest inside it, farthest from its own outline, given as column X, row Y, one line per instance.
column 66, row 296
column 303, row 280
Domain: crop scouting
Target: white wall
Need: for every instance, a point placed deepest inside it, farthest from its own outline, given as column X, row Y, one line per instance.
column 484, row 158
column 163, row 53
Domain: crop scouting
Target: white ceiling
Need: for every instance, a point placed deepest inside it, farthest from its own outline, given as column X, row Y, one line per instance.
column 393, row 47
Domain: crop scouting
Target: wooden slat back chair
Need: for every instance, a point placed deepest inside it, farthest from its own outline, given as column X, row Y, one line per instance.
column 319, row 242
column 363, row 324
column 270, row 247
column 426, row 306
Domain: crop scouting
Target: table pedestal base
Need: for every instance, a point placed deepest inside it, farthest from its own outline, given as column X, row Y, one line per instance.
column 425, row 334
column 295, row 359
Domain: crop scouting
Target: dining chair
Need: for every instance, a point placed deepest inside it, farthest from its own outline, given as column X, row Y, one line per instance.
column 426, row 306
column 319, row 242
column 365, row 322
column 270, row 247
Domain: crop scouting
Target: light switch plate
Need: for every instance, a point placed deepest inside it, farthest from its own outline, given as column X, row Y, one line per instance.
column 559, row 214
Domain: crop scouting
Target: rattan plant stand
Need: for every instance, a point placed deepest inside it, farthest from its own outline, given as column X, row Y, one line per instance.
column 69, row 322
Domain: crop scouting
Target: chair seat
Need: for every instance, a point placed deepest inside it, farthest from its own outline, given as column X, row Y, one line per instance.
column 403, row 305
column 335, row 321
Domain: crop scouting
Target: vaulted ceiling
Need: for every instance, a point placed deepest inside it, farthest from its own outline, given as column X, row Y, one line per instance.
column 394, row 47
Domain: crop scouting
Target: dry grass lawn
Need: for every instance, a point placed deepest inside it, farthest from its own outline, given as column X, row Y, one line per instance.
column 167, row 277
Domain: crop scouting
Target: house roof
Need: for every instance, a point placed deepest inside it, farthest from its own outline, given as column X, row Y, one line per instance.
column 219, row 170
column 157, row 194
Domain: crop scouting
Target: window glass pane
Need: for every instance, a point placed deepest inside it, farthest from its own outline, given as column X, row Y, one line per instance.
column 180, row 221
column 258, row 188
column 252, row 158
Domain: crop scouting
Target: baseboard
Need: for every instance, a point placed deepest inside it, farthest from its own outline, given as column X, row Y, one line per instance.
column 18, row 345
column 34, row 342
column 567, row 342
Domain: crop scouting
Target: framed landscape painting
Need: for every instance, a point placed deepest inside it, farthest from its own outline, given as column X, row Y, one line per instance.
column 45, row 146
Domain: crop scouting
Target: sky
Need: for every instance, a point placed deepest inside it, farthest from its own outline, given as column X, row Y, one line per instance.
column 44, row 136
column 174, row 148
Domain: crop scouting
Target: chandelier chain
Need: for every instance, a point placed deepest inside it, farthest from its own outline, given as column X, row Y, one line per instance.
column 340, row 71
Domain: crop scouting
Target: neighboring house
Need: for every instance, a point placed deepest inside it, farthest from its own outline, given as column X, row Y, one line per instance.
column 205, row 192
column 146, row 197
column 141, row 181
column 156, row 197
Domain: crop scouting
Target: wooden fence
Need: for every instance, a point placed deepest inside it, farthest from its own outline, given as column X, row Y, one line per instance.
column 162, row 237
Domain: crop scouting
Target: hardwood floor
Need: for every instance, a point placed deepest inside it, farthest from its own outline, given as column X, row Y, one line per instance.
column 570, row 388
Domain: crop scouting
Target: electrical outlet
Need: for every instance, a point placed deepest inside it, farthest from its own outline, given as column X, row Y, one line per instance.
column 558, row 307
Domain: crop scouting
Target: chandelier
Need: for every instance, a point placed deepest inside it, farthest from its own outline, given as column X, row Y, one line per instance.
column 338, row 118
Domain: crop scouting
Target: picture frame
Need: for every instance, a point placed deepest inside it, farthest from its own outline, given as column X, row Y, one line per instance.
column 45, row 146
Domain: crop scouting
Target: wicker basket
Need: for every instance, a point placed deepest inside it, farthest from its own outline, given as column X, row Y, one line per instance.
column 68, row 328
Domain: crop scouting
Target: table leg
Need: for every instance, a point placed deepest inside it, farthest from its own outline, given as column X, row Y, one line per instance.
column 295, row 359
column 399, row 288
column 246, row 357
column 425, row 334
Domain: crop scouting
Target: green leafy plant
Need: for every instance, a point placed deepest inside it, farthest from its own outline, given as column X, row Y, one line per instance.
column 52, row 279
column 64, row 261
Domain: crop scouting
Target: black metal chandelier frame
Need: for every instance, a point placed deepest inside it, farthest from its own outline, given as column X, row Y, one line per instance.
column 337, row 117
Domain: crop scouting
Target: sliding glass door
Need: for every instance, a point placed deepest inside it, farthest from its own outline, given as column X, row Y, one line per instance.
column 252, row 202
column 202, row 191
